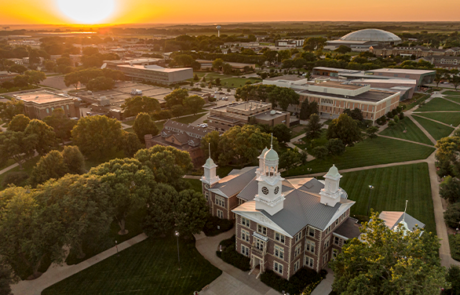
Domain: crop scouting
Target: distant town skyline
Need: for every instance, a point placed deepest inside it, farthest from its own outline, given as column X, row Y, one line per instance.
column 202, row 11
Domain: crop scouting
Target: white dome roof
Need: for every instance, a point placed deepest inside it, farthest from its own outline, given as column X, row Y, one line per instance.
column 333, row 172
column 263, row 152
column 209, row 163
column 371, row 35
column 271, row 155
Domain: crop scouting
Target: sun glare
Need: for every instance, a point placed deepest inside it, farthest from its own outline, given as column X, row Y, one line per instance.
column 87, row 11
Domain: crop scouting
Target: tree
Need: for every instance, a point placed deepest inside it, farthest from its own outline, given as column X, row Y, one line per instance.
column 314, row 43
column 282, row 133
column 355, row 114
column 313, row 129
column 16, row 146
column 283, row 97
column 95, row 136
column 385, row 261
column 137, row 104
column 372, row 131
column 335, row 147
column 452, row 215
column 168, row 164
column 20, row 69
column 161, row 206
column 449, row 189
column 291, row 157
column 344, row 128
column 192, row 212
column 73, row 159
column 176, row 97
column 10, row 109
column 194, row 103
column 343, row 49
column 144, row 125
column 455, row 80
column 60, row 123
column 18, row 123
column 453, row 277
column 439, row 76
column 184, row 60
column 100, row 83
column 21, row 81
column 5, row 281
column 217, row 63
column 35, row 77
column 49, row 166
column 130, row 144
column 128, row 184
column 44, row 138
column 303, row 114
column 49, row 65
column 320, row 152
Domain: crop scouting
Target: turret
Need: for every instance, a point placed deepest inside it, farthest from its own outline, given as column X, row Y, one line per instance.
column 330, row 194
column 210, row 176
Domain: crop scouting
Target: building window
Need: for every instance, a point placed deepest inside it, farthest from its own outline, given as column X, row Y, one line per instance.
column 337, row 241
column 279, row 252
column 240, row 201
column 328, row 230
column 278, row 267
column 279, row 237
column 310, row 262
column 259, row 244
column 335, row 252
column 206, row 195
column 262, row 229
column 297, row 250
column 244, row 250
column 296, row 265
column 220, row 213
column 310, row 246
column 47, row 111
column 325, row 258
column 220, row 201
column 245, row 235
column 298, row 236
column 336, row 221
column 245, row 221
column 327, row 243
column 311, row 232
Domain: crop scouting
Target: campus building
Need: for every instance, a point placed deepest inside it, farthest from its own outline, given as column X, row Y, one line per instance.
column 237, row 114
column 181, row 136
column 333, row 97
column 408, row 51
column 207, row 65
column 156, row 74
column 362, row 40
column 290, row 43
column 282, row 224
column 40, row 104
column 6, row 76
column 445, row 62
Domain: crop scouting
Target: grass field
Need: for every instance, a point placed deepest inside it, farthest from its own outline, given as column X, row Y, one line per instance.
column 436, row 130
column 454, row 98
column 439, row 104
column 416, row 99
column 413, row 132
column 451, row 93
column 367, row 153
column 392, row 187
column 238, row 82
column 28, row 166
column 189, row 119
column 150, row 267
column 448, row 118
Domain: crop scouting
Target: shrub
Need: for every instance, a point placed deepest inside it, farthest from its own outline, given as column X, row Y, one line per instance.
column 228, row 242
column 236, row 259
column 390, row 115
column 320, row 152
column 162, row 115
column 296, row 284
column 210, row 229
column 195, row 89
column 452, row 215
column 401, row 116
column 16, row 178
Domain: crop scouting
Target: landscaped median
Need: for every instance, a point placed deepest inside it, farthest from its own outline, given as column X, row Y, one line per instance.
column 454, row 243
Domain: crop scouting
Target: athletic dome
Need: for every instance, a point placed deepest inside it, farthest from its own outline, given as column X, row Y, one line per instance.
column 371, row 35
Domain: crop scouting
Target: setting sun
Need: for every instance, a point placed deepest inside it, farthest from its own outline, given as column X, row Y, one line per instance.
column 87, row 11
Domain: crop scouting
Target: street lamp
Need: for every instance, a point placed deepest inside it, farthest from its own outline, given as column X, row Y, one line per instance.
column 371, row 187
column 116, row 246
column 178, row 256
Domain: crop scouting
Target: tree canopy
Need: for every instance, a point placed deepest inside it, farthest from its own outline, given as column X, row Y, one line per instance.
column 19, row 123
column 194, row 103
column 137, row 104
column 143, row 125
column 344, row 128
column 176, row 97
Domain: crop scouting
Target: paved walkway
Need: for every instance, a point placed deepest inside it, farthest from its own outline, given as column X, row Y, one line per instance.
column 430, row 137
column 325, row 287
column 442, row 123
column 406, row 140
column 57, row 273
column 233, row 281
column 451, row 100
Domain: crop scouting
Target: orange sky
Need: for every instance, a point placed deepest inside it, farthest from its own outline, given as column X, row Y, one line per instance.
column 201, row 11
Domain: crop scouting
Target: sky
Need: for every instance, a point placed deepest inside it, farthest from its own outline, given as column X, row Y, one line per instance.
column 219, row 11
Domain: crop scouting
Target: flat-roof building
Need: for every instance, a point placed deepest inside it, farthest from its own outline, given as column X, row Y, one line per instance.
column 40, row 104
column 6, row 76
column 157, row 74
column 240, row 113
column 362, row 40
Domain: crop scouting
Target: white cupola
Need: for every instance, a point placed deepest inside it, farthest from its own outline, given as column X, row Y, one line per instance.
column 210, row 176
column 261, row 158
column 330, row 194
column 270, row 183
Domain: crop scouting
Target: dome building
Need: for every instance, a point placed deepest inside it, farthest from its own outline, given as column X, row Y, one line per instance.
column 363, row 39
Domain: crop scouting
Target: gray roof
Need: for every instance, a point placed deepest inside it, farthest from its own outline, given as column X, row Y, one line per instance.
column 234, row 182
column 393, row 218
column 371, row 35
column 187, row 128
column 302, row 205
column 349, row 228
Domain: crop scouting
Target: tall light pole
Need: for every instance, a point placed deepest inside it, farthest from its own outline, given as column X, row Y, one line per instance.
column 371, row 187
column 178, row 256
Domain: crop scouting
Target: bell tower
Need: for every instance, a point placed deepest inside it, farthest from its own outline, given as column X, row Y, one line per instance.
column 330, row 194
column 210, row 176
column 270, row 184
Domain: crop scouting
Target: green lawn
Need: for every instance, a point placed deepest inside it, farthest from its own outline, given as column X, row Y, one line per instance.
column 189, row 119
column 451, row 93
column 448, row 118
column 392, row 187
column 436, row 130
column 131, row 123
column 369, row 152
column 150, row 267
column 416, row 99
column 454, row 98
column 28, row 166
column 413, row 132
column 238, row 82
column 439, row 104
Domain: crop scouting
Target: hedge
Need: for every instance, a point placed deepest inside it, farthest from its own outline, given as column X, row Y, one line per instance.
column 210, row 229
column 296, row 284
